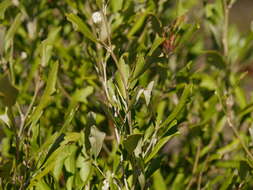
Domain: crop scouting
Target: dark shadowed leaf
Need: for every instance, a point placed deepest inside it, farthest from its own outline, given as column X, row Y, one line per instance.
column 7, row 91
column 131, row 142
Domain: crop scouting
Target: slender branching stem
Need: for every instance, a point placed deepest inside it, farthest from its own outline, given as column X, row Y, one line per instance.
column 228, row 108
column 23, row 120
column 109, row 48
column 225, row 28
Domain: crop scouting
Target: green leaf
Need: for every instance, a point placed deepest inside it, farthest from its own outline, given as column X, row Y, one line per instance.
column 240, row 97
column 158, row 146
column 159, row 182
column 40, row 175
column 50, row 162
column 99, row 3
column 4, row 118
column 45, row 147
column 96, row 140
column 142, row 64
column 116, row 5
column 12, row 30
column 85, row 168
column 64, row 159
column 59, row 166
column 131, row 142
column 41, row 185
column 227, row 181
column 228, row 148
column 46, row 97
column 70, row 166
column 148, row 132
column 160, row 111
column 154, row 165
column 139, row 66
column 3, row 6
column 119, row 78
column 138, row 24
column 147, row 92
column 69, row 115
column 180, row 106
column 141, row 179
column 81, row 94
column 85, row 171
column 215, row 58
column 178, row 182
column 156, row 24
column 47, row 46
column 207, row 81
column 244, row 169
column 81, row 26
column 7, row 91
column 70, row 162
column 248, row 109
column 157, row 42
column 164, row 130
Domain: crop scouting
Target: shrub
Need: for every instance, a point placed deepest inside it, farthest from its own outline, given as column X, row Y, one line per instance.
column 124, row 95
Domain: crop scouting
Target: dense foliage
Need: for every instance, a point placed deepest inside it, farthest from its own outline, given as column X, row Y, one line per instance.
column 124, row 94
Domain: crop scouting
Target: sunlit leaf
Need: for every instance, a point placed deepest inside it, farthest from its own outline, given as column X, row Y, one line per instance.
column 3, row 6
column 96, row 140
column 159, row 182
column 12, row 30
column 138, row 24
column 182, row 103
column 158, row 146
column 81, row 26
column 46, row 97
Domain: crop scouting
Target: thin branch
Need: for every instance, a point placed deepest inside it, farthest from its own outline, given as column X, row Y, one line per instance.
column 65, row 93
column 194, row 168
column 236, row 132
column 225, row 28
column 109, row 48
column 23, row 120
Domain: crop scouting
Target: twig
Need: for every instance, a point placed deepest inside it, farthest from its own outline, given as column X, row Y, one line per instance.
column 194, row 167
column 65, row 93
column 225, row 28
column 109, row 48
column 24, row 118
column 231, row 125
column 227, row 111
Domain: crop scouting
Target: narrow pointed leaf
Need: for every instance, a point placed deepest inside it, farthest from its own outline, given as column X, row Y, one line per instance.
column 138, row 24
column 158, row 146
column 81, row 26
column 180, row 106
column 12, row 30
column 46, row 97
column 157, row 42
column 8, row 92
column 96, row 140
column 131, row 142
column 3, row 6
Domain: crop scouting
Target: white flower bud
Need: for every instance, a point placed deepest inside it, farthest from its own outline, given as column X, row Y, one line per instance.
column 23, row 55
column 97, row 17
